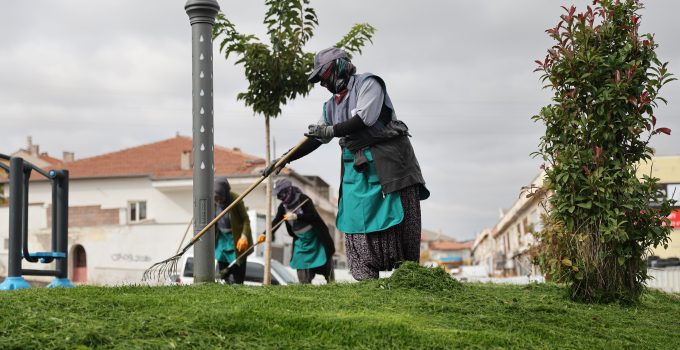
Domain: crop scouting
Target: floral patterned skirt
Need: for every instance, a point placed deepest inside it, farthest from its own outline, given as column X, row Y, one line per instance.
column 367, row 254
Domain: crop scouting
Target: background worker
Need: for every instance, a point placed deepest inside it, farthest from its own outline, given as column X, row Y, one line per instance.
column 232, row 233
column 313, row 247
column 378, row 208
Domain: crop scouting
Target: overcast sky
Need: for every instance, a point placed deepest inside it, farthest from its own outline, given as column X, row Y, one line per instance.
column 97, row 76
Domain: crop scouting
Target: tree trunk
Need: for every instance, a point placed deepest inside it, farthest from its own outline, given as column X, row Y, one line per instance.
column 268, row 211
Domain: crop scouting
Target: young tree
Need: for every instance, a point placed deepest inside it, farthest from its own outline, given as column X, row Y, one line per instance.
column 277, row 71
column 606, row 79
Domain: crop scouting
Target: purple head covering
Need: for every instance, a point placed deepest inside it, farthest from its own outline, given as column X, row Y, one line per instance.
column 286, row 192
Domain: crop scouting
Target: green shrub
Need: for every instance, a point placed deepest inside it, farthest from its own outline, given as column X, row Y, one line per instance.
column 606, row 79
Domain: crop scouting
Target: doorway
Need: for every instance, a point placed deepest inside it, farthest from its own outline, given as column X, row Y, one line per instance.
column 79, row 264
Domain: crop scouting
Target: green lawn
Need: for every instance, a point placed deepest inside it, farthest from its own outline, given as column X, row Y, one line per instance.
column 414, row 310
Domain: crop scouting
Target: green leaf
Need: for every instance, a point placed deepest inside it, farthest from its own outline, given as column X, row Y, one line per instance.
column 621, row 260
column 586, row 205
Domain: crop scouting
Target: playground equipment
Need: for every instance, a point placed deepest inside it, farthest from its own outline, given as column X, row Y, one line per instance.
column 19, row 175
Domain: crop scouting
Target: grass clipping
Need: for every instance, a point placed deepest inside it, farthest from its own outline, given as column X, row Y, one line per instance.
column 411, row 275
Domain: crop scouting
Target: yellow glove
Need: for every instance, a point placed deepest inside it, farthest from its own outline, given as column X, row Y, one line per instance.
column 290, row 217
column 261, row 238
column 242, row 244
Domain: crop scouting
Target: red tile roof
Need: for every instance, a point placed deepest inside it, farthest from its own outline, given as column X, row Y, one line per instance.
column 54, row 162
column 161, row 160
column 449, row 245
column 428, row 236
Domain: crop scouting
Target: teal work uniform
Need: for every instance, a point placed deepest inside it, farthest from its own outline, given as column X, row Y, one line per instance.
column 308, row 252
column 225, row 251
column 363, row 207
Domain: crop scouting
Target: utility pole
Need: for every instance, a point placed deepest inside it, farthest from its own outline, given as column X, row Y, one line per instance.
column 202, row 15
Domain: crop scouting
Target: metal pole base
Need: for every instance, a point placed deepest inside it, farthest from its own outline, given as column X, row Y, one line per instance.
column 12, row 283
column 60, row 283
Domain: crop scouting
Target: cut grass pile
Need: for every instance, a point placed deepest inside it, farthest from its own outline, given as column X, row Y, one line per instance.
column 416, row 308
column 413, row 276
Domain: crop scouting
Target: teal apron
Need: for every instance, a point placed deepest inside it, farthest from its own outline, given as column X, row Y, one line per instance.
column 363, row 207
column 225, row 251
column 308, row 252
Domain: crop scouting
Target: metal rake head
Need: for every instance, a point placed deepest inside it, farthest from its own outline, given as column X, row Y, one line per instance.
column 162, row 271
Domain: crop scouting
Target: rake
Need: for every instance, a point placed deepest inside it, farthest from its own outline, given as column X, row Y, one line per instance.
column 226, row 269
column 165, row 269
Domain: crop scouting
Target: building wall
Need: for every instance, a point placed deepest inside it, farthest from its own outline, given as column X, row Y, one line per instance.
column 486, row 256
column 117, row 193
column 667, row 170
column 513, row 235
column 91, row 215
column 673, row 249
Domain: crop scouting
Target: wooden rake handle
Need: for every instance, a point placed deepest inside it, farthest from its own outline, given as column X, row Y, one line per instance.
column 238, row 199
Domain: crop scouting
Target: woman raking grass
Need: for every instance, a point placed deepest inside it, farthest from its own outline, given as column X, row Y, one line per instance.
column 382, row 185
column 313, row 246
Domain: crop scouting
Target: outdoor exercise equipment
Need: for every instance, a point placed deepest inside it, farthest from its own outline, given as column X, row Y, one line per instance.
column 19, row 176
column 164, row 270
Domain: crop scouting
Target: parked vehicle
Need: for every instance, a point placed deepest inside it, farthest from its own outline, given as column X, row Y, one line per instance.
column 254, row 272
column 656, row 262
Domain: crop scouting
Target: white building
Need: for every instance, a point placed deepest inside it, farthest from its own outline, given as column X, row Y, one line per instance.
column 131, row 208
column 504, row 249
column 483, row 250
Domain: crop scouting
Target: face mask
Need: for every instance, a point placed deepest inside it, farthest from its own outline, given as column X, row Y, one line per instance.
column 336, row 75
column 332, row 88
column 289, row 196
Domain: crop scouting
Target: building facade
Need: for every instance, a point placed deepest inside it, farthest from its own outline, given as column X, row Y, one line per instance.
column 667, row 170
column 483, row 250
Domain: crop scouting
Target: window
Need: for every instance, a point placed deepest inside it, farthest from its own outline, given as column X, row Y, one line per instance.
column 137, row 211
column 673, row 192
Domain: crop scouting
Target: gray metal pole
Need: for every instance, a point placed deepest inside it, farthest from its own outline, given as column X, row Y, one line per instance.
column 16, row 197
column 202, row 15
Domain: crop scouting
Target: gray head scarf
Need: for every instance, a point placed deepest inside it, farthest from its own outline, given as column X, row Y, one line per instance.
column 223, row 189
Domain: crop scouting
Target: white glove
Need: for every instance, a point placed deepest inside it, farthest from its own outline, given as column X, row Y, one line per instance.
column 290, row 217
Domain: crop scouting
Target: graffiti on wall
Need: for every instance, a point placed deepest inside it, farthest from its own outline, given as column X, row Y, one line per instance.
column 126, row 257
